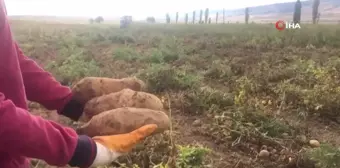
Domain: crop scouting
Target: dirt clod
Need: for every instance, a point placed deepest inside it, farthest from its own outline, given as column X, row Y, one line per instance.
column 301, row 138
column 197, row 123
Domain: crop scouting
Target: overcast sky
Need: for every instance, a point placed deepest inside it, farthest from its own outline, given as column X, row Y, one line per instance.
column 136, row 8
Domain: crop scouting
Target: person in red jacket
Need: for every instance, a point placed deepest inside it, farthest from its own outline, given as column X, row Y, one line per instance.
column 24, row 135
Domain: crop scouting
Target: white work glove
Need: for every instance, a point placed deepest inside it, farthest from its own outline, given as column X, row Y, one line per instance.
column 109, row 148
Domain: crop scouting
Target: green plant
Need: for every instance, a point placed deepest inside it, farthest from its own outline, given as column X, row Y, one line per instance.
column 161, row 77
column 126, row 53
column 255, row 124
column 326, row 156
column 200, row 100
column 164, row 55
column 220, row 72
column 191, row 157
column 74, row 67
column 120, row 38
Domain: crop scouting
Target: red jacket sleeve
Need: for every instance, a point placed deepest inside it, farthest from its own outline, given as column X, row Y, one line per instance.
column 22, row 134
column 31, row 136
column 41, row 86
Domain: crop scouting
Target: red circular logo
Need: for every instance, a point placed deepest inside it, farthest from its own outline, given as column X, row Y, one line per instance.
column 280, row 25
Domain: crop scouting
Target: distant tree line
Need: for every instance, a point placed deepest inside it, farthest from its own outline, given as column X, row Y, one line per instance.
column 315, row 13
column 150, row 20
column 207, row 19
column 98, row 19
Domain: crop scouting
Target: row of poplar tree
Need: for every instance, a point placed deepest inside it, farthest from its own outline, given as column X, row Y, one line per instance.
column 207, row 19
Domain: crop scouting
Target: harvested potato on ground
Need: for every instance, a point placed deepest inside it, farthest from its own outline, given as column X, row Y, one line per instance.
column 124, row 120
column 123, row 98
column 90, row 87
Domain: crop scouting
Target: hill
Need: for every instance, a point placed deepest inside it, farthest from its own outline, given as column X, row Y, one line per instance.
column 326, row 6
column 329, row 9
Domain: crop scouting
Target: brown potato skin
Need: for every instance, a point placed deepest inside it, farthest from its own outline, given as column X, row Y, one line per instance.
column 124, row 120
column 123, row 98
column 90, row 87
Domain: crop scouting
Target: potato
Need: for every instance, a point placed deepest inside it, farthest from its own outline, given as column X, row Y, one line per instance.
column 123, row 98
column 124, row 120
column 90, row 87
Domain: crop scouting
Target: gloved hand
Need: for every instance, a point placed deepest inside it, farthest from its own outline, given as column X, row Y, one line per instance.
column 109, row 148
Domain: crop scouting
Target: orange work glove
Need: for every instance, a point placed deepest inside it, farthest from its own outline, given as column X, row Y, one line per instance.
column 109, row 148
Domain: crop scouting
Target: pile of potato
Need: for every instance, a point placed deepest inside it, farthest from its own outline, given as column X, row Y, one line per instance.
column 117, row 106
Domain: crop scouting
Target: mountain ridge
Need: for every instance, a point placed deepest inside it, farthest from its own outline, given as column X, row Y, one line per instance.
column 329, row 10
column 277, row 8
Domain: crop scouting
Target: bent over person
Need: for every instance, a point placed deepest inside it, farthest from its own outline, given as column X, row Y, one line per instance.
column 24, row 136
